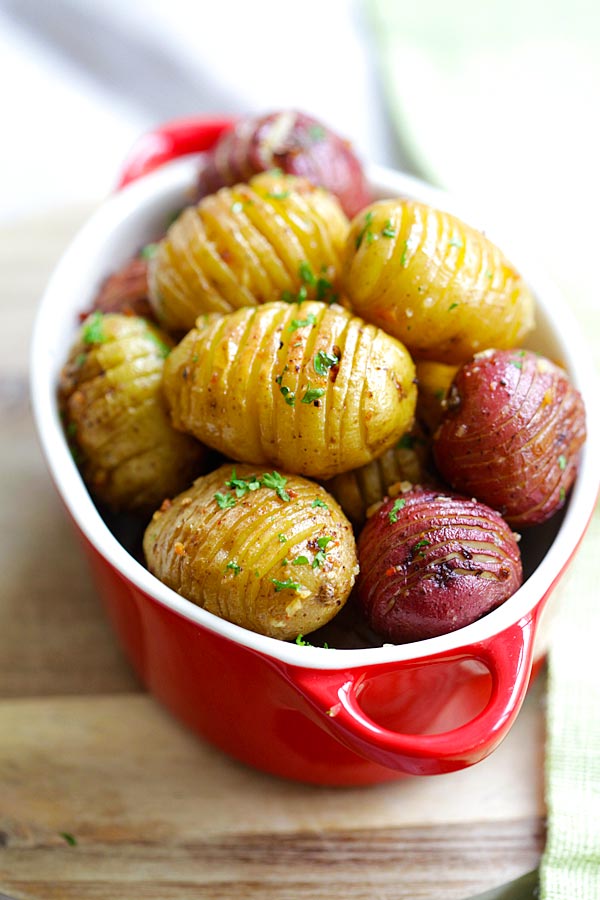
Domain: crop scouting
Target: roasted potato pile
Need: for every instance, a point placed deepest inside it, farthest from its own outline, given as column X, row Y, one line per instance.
column 382, row 357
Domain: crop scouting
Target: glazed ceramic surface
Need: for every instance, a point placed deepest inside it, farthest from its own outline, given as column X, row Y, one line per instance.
column 351, row 716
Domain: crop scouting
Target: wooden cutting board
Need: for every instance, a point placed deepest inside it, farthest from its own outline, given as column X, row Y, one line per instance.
column 104, row 795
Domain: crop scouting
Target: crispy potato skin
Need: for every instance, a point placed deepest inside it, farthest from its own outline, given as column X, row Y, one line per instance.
column 116, row 418
column 432, row 281
column 436, row 564
column 293, row 142
column 254, row 386
column 245, row 245
column 280, row 567
column 512, row 434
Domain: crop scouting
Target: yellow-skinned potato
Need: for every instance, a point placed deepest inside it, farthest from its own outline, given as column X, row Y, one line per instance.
column 362, row 488
column 274, row 238
column 434, row 380
column 306, row 387
column 116, row 418
column 271, row 553
column 435, row 283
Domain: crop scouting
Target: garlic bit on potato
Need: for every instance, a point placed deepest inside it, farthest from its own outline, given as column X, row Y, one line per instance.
column 432, row 562
column 435, row 283
column 306, row 387
column 270, row 552
column 512, row 434
column 116, row 418
column 276, row 238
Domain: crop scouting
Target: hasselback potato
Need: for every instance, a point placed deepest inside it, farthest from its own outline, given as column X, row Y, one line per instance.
column 115, row 414
column 360, row 489
column 512, row 434
column 296, row 144
column 307, row 387
column 271, row 552
column 432, row 562
column 435, row 283
column 278, row 237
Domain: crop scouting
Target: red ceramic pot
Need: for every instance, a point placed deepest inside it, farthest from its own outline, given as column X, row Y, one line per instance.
column 326, row 716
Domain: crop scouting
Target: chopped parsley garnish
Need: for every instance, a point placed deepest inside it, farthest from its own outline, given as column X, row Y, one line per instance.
column 242, row 485
column 80, row 359
column 562, row 462
column 561, row 494
column 278, row 195
column 288, row 585
column 398, row 505
column 320, row 555
column 301, row 642
column 277, row 482
column 233, row 565
column 93, row 329
column 452, row 306
column 319, row 502
column 312, row 394
column 419, row 546
column 389, row 231
column 306, row 273
column 148, row 251
column 225, row 501
column 404, row 257
column 301, row 561
column 289, row 396
column 317, row 133
column 517, row 363
column 282, row 538
column 163, row 349
column 406, row 442
column 311, row 319
column 323, row 361
column 70, row 839
column 324, row 289
column 365, row 231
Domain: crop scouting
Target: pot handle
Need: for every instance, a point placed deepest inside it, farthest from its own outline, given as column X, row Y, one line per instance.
column 507, row 656
column 170, row 141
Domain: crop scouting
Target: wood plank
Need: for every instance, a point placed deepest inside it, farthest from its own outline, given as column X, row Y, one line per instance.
column 155, row 812
column 382, row 863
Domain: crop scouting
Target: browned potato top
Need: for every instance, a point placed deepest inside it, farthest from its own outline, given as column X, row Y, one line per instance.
column 273, row 553
column 307, row 387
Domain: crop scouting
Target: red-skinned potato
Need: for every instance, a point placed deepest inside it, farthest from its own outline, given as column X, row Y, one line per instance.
column 433, row 562
column 512, row 434
column 293, row 142
column 126, row 290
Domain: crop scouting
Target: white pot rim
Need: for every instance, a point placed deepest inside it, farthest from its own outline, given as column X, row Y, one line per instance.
column 82, row 264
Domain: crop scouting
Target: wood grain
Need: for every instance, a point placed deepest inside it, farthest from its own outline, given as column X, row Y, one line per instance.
column 155, row 812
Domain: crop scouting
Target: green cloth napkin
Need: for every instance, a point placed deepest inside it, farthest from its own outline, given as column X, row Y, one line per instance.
column 498, row 102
